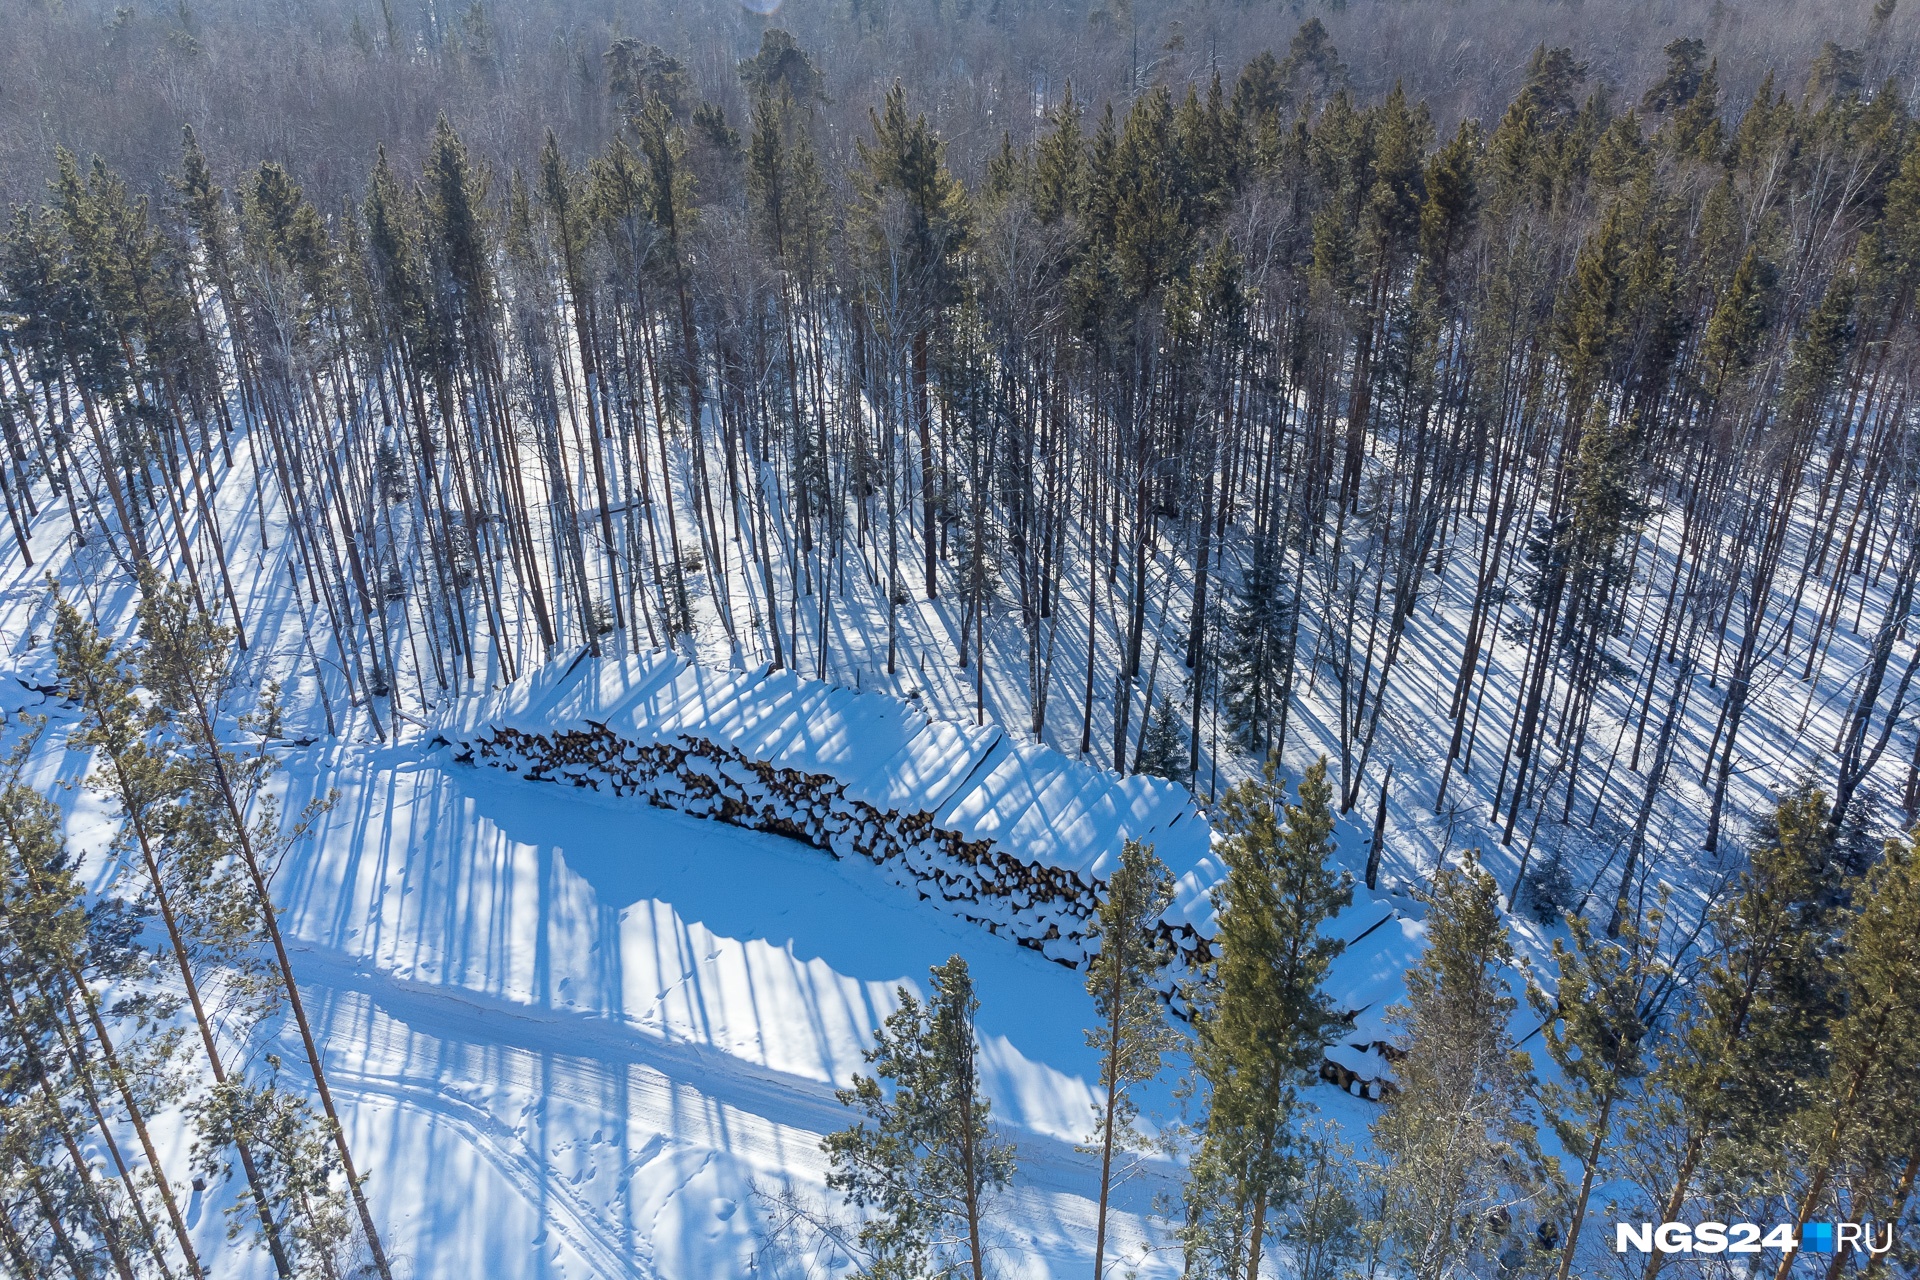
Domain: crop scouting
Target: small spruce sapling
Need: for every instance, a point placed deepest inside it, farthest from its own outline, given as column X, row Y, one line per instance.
column 1164, row 753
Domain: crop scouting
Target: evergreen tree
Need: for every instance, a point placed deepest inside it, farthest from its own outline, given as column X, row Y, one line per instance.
column 781, row 66
column 1262, row 1020
column 205, row 910
column 210, row 905
column 92, row 1224
column 294, row 1155
column 923, row 1155
column 1596, row 1032
column 1454, row 1137
column 1163, row 753
column 1131, row 1032
column 1257, row 661
column 1687, row 100
column 1059, row 165
column 638, row 71
column 1874, row 1074
column 1756, row 1040
column 130, row 1063
column 187, row 665
column 1685, row 74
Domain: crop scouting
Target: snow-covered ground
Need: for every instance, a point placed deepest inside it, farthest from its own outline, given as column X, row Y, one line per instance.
column 580, row 1035
column 577, row 1034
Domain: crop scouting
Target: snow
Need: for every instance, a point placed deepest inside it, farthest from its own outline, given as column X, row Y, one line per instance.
column 574, row 1033
column 577, row 1034
column 1370, row 974
column 983, row 824
column 1047, row 807
column 857, row 753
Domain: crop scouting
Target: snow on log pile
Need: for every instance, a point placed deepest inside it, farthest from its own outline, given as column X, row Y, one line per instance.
column 1011, row 836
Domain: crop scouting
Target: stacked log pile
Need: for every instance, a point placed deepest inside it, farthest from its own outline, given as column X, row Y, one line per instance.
column 1047, row 908
column 980, row 878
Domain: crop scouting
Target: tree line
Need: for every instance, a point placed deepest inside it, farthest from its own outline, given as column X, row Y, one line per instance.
column 1237, row 374
column 315, row 84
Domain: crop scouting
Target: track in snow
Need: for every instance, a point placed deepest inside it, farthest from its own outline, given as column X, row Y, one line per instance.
column 577, row 1034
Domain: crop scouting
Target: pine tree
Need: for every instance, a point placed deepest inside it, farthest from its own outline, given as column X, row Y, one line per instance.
column 1685, row 75
column 638, row 72
column 138, row 1066
column 1454, row 1136
column 1596, row 1032
column 1875, row 1070
column 1153, row 219
column 1262, row 1020
column 1755, row 1040
column 43, row 936
column 187, row 666
column 295, row 1160
column 781, row 66
column 1605, row 514
column 1164, row 751
column 1733, row 337
column 206, row 914
column 1131, row 1033
column 924, row 1155
column 560, row 194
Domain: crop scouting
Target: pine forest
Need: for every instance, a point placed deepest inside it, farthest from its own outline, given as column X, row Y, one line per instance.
column 1348, row 569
